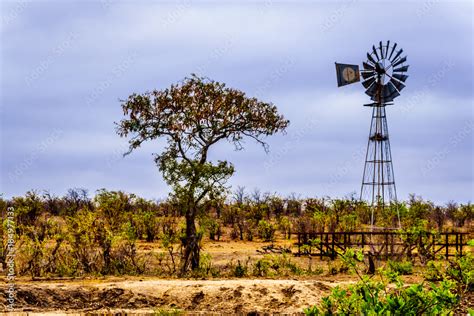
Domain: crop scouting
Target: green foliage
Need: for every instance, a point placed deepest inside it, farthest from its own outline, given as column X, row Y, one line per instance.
column 461, row 270
column 417, row 213
column 284, row 224
column 42, row 247
column 371, row 297
column 349, row 222
column 192, row 116
column 205, row 267
column 464, row 214
column 272, row 265
column 266, row 230
column 400, row 267
column 262, row 267
column 434, row 270
column 212, row 226
column 205, row 264
column 144, row 217
column 308, row 247
column 337, row 267
column 74, row 235
column 240, row 270
column 112, row 206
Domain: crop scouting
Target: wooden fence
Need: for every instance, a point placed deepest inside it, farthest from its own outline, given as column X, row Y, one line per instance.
column 383, row 245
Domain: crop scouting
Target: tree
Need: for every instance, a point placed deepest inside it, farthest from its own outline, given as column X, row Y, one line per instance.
column 192, row 116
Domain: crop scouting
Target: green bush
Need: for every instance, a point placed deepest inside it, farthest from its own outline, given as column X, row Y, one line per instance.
column 240, row 270
column 205, row 267
column 262, row 267
column 433, row 271
column 271, row 265
column 371, row 297
column 266, row 230
column 336, row 267
column 461, row 270
column 401, row 267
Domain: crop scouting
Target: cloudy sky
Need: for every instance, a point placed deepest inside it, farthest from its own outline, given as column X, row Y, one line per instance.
column 66, row 64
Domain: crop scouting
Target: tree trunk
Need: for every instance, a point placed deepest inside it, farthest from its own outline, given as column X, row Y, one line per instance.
column 191, row 246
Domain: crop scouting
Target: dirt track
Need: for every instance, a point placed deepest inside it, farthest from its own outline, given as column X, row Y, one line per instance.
column 205, row 296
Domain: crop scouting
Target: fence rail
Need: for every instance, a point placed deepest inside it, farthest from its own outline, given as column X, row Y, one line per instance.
column 383, row 245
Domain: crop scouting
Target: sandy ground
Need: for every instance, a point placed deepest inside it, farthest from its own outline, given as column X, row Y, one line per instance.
column 147, row 295
column 223, row 297
column 142, row 296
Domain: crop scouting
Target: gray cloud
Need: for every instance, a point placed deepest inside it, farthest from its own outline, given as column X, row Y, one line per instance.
column 65, row 65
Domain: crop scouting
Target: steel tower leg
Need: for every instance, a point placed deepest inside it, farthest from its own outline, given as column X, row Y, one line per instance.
column 378, row 180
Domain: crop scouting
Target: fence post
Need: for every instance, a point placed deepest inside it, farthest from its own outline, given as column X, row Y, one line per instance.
column 447, row 245
column 363, row 242
column 457, row 242
column 333, row 252
column 321, row 246
column 391, row 244
column 327, row 243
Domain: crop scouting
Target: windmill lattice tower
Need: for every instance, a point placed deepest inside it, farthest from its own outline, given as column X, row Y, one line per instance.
column 384, row 77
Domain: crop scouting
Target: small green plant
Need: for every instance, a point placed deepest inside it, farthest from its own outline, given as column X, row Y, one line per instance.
column 271, row 265
column 285, row 226
column 262, row 267
column 205, row 267
column 337, row 267
column 434, row 271
column 461, row 270
column 401, row 267
column 240, row 270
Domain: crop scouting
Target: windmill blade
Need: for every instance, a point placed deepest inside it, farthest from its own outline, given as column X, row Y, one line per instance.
column 386, row 50
column 367, row 83
column 400, row 61
column 396, row 55
column 390, row 88
column 375, row 52
column 399, row 77
column 368, row 66
column 386, row 95
column 393, row 49
column 401, row 69
column 381, row 49
column 399, row 85
column 371, row 91
column 367, row 74
column 393, row 96
column 386, row 91
column 389, row 98
column 371, row 59
column 392, row 91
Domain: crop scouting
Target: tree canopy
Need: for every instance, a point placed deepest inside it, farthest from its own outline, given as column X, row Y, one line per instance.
column 192, row 116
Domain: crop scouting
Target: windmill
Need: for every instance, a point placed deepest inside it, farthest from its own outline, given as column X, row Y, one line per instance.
column 384, row 74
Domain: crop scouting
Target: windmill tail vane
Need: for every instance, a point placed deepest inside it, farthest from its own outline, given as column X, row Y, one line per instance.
column 383, row 77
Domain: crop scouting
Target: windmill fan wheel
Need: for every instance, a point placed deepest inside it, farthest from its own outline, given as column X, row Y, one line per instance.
column 384, row 72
